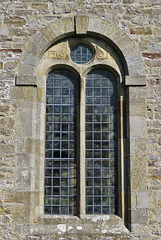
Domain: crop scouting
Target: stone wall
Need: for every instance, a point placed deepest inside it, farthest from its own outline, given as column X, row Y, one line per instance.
column 25, row 33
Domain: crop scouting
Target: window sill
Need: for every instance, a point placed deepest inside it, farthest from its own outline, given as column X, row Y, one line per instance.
column 88, row 225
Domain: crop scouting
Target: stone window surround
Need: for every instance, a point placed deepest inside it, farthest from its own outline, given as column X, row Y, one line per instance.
column 58, row 57
column 81, row 26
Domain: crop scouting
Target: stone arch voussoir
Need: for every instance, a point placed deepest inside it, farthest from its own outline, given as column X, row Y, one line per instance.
column 80, row 25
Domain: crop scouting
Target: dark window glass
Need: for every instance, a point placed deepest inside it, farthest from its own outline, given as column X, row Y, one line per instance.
column 81, row 53
column 100, row 143
column 60, row 167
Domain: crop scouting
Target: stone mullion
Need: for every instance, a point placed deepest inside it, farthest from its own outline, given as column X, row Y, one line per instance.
column 82, row 149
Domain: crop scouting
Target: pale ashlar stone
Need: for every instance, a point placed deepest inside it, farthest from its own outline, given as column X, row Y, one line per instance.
column 137, row 127
column 4, row 31
column 81, row 24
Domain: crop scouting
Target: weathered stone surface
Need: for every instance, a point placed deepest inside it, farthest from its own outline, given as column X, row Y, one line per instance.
column 140, row 146
column 1, row 65
column 24, row 160
column 141, row 30
column 68, row 24
column 135, row 80
column 137, row 107
column 23, row 181
column 7, row 149
column 81, row 24
column 13, row 197
column 17, row 92
column 142, row 200
column 18, row 21
column 40, row 7
column 26, row 116
column 4, row 31
column 29, row 59
column 138, row 127
column 26, row 80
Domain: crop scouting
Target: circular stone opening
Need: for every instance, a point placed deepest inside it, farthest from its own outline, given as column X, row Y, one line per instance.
column 81, row 53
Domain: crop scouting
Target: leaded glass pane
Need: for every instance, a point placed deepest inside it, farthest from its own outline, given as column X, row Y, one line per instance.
column 100, row 143
column 60, row 163
column 81, row 53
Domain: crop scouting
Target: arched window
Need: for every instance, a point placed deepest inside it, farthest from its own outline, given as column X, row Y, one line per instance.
column 100, row 143
column 82, row 158
column 60, row 165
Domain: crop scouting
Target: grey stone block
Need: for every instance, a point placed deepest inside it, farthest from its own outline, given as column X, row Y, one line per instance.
column 26, row 80
column 137, row 127
column 139, row 80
